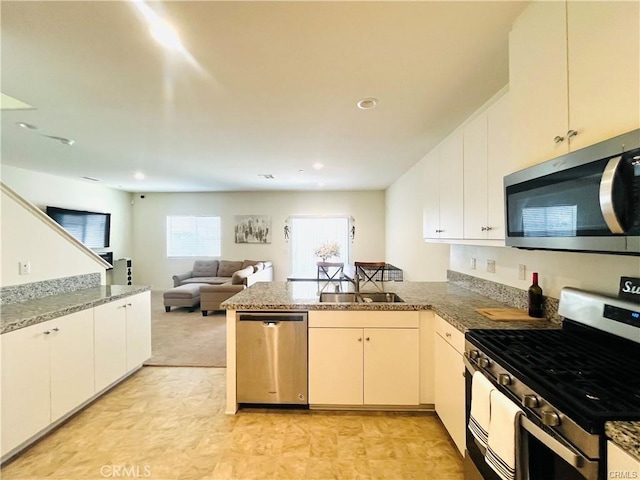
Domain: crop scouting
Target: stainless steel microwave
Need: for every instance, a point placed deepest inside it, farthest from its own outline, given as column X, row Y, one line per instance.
column 587, row 200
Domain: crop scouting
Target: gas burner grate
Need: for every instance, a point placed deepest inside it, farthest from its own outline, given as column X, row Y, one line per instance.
column 590, row 377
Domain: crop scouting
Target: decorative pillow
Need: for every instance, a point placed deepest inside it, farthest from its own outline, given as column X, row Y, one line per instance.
column 240, row 276
column 249, row 263
column 258, row 266
column 226, row 268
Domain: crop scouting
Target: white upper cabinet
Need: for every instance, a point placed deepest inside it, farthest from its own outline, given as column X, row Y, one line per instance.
column 538, row 82
column 451, row 193
column 487, row 159
column 431, row 195
column 604, row 70
column 443, row 195
column 573, row 75
column 475, row 178
column 500, row 162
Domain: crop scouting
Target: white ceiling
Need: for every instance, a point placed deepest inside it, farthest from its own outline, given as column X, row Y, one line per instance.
column 271, row 88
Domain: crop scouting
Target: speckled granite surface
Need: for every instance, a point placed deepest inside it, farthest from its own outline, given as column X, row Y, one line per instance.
column 626, row 435
column 46, row 288
column 453, row 303
column 24, row 314
column 515, row 297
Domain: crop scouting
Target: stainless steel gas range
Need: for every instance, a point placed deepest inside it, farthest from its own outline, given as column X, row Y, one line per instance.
column 568, row 382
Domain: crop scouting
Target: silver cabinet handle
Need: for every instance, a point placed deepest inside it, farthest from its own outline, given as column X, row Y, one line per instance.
column 558, row 139
column 56, row 329
column 571, row 133
column 47, row 332
column 606, row 195
column 128, row 305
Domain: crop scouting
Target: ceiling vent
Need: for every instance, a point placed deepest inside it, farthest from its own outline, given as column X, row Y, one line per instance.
column 267, row 176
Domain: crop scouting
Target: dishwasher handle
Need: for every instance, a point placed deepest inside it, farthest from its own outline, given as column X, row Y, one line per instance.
column 272, row 317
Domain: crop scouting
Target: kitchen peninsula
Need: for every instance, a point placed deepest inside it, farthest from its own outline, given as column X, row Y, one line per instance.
column 438, row 313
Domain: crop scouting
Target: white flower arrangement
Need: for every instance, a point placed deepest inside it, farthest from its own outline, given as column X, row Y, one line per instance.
column 327, row 250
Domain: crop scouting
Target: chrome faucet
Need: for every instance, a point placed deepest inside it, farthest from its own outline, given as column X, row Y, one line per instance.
column 356, row 282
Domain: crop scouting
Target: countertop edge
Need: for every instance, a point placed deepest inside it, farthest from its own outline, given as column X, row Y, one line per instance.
column 74, row 303
column 626, row 435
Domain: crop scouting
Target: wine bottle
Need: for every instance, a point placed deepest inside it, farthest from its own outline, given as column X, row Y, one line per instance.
column 535, row 298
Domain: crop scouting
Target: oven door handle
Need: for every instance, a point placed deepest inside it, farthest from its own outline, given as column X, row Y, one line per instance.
column 563, row 451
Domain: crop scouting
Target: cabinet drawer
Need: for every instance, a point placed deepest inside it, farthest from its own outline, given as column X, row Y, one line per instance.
column 450, row 334
column 363, row 319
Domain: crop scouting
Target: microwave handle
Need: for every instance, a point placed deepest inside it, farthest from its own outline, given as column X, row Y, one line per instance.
column 606, row 195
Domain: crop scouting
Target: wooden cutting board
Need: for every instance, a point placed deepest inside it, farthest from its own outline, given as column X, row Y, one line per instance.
column 505, row 314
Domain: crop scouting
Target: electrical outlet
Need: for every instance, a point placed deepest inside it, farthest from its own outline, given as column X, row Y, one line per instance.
column 522, row 272
column 491, row 266
column 473, row 264
column 25, row 267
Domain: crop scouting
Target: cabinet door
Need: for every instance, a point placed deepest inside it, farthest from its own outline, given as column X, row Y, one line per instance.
column 475, row 178
column 500, row 163
column 138, row 329
column 335, row 366
column 110, row 339
column 604, row 70
column 25, row 384
column 451, row 196
column 449, row 390
column 620, row 464
column 72, row 361
column 538, row 83
column 431, row 195
column 391, row 366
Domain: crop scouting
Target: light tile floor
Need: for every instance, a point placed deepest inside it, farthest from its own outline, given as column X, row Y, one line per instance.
column 169, row 423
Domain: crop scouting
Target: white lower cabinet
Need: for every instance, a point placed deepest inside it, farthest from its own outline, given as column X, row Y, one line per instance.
column 50, row 369
column 138, row 329
column 621, row 464
column 72, row 372
column 47, row 371
column 26, row 384
column 365, row 362
column 122, row 337
column 449, row 380
column 110, row 343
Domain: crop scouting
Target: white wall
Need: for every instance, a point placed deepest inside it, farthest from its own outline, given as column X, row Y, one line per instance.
column 406, row 249
column 42, row 189
column 150, row 264
column 588, row 271
column 26, row 237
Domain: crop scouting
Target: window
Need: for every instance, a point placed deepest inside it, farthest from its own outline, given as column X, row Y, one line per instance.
column 309, row 233
column 190, row 236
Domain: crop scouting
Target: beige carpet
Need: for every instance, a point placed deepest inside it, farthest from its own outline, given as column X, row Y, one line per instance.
column 181, row 338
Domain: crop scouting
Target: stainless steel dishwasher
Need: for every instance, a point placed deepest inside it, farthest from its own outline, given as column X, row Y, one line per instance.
column 271, row 357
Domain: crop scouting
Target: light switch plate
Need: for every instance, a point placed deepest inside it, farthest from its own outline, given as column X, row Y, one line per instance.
column 25, row 268
column 522, row 272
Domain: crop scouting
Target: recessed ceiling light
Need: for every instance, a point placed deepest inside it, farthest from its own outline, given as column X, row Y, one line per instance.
column 64, row 141
column 318, row 166
column 139, row 176
column 165, row 35
column 26, row 125
column 367, row 103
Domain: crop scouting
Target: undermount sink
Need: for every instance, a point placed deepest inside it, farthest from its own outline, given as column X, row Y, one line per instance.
column 350, row 297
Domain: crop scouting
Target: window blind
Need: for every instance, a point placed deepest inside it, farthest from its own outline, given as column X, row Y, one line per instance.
column 193, row 236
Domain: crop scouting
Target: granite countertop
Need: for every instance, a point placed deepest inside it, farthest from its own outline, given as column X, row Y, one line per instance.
column 24, row 314
column 453, row 303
